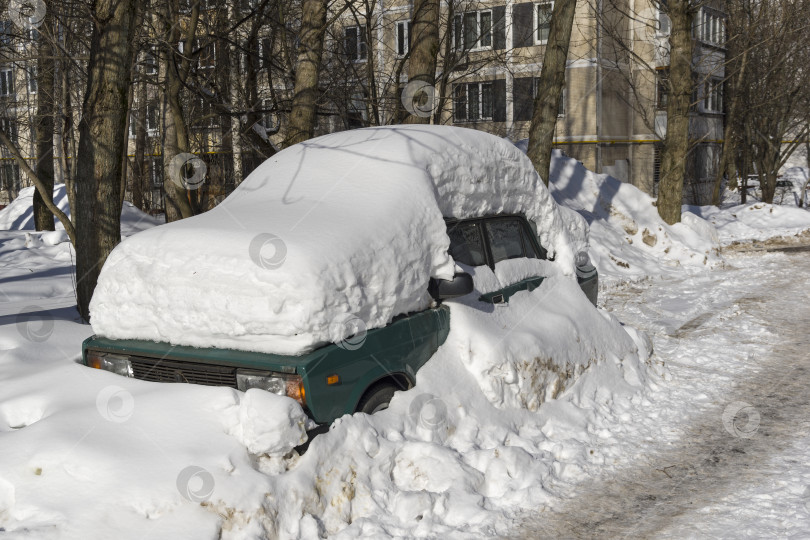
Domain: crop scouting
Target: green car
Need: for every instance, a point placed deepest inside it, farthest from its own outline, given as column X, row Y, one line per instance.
column 362, row 372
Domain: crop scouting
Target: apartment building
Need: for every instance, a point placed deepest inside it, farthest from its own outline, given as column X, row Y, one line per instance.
column 18, row 99
column 612, row 116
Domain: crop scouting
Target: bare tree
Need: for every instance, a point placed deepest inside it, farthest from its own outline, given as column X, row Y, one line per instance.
column 43, row 121
column 424, row 49
column 101, row 142
column 676, row 142
column 550, row 87
column 302, row 119
column 176, row 139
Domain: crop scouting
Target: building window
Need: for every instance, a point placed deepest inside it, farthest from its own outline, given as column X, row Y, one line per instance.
column 6, row 82
column 202, row 114
column 713, row 96
column 31, row 73
column 560, row 105
column 710, row 27
column 207, row 57
column 10, row 177
column 268, row 119
column 657, row 150
column 156, row 171
column 6, row 32
column 265, row 53
column 152, row 119
column 355, row 43
column 9, row 127
column 542, row 20
column 472, row 102
column 357, row 114
column 473, row 30
column 662, row 89
column 150, row 64
column 663, row 24
column 403, row 37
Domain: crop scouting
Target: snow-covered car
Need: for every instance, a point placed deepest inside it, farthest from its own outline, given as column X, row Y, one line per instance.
column 323, row 276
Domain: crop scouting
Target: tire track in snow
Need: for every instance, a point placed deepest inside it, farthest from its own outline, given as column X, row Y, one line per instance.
column 678, row 482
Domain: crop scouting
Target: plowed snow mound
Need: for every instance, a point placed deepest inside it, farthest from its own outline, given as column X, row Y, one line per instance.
column 19, row 215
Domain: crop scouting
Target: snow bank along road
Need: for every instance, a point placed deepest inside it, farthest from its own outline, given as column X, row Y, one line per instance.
column 721, row 448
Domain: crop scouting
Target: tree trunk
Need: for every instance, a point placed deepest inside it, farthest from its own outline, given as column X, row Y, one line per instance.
column 676, row 141
column 67, row 138
column 43, row 121
column 178, row 203
column 101, row 142
column 422, row 59
column 550, row 87
column 66, row 133
column 806, row 185
column 225, row 57
column 726, row 164
column 769, row 187
column 139, row 164
column 301, row 124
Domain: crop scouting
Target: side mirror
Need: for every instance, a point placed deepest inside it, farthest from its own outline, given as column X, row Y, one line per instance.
column 442, row 289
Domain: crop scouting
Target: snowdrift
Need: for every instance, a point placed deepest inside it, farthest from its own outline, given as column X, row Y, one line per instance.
column 349, row 224
column 628, row 239
column 491, row 425
column 19, row 215
column 519, row 396
column 753, row 221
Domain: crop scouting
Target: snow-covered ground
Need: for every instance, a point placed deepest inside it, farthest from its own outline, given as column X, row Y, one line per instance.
column 717, row 446
column 472, row 450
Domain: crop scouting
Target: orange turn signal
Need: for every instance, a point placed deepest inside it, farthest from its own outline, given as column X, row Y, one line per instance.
column 332, row 379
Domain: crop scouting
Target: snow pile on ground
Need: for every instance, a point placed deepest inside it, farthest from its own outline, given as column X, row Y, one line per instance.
column 19, row 215
column 349, row 224
column 628, row 237
column 496, row 416
column 753, row 221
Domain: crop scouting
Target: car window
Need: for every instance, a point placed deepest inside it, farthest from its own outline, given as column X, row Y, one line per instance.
column 505, row 239
column 528, row 245
column 466, row 244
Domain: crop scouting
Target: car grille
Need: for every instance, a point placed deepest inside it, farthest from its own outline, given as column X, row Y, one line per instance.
column 152, row 369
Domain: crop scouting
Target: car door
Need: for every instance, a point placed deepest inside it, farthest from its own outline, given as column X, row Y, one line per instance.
column 490, row 240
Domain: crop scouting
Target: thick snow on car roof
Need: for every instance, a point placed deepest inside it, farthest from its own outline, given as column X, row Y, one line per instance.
column 334, row 234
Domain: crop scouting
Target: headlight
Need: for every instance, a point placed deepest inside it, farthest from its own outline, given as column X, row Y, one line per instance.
column 110, row 362
column 280, row 384
column 582, row 259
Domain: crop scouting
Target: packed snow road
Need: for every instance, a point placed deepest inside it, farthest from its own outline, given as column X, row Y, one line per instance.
column 720, row 449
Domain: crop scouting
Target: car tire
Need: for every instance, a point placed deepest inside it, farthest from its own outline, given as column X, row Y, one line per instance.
column 376, row 399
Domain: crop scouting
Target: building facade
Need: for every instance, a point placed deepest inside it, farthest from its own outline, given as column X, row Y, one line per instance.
column 612, row 115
